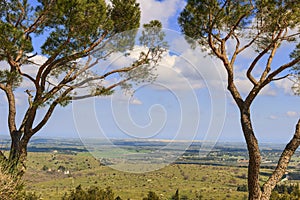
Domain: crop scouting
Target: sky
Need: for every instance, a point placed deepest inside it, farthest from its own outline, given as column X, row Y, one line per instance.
column 188, row 100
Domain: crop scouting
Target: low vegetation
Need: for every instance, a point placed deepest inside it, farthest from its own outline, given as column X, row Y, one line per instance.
column 55, row 175
column 70, row 172
column 10, row 185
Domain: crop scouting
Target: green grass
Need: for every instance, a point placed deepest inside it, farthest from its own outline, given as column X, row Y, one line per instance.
column 211, row 181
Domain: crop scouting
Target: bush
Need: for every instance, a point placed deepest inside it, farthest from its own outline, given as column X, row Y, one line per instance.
column 151, row 196
column 10, row 184
column 93, row 193
column 29, row 196
column 242, row 188
column 286, row 192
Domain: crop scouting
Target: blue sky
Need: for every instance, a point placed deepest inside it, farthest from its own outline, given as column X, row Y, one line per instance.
column 184, row 103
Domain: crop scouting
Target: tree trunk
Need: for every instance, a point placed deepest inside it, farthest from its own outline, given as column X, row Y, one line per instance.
column 15, row 145
column 254, row 156
column 254, row 188
column 18, row 153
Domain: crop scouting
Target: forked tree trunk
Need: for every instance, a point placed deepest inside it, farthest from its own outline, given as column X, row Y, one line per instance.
column 256, row 192
column 18, row 153
column 15, row 145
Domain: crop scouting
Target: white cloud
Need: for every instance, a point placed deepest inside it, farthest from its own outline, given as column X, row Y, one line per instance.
column 136, row 101
column 174, row 72
column 3, row 99
column 160, row 10
column 4, row 65
column 273, row 117
column 292, row 114
column 189, row 71
column 21, row 98
column 127, row 98
column 285, row 85
column 38, row 59
column 211, row 69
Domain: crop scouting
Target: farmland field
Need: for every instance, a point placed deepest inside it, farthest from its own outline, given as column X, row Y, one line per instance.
column 56, row 167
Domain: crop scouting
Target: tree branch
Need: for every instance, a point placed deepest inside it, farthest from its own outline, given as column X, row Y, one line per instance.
column 107, row 88
column 11, row 109
column 45, row 69
column 236, row 50
column 39, row 20
column 289, row 36
column 280, row 78
column 26, row 75
column 283, row 162
column 249, row 44
column 280, row 69
column 269, row 62
column 45, row 118
column 231, row 86
column 232, row 29
column 67, row 59
column 21, row 16
column 258, row 57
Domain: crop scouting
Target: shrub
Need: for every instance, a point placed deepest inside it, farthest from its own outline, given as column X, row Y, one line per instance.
column 93, row 193
column 151, row 196
column 286, row 192
column 242, row 188
column 10, row 183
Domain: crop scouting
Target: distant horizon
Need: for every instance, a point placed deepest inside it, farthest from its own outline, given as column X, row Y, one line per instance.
column 222, row 140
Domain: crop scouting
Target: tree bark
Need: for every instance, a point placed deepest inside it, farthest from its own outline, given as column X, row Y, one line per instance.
column 254, row 188
column 18, row 153
column 15, row 145
column 254, row 156
column 282, row 165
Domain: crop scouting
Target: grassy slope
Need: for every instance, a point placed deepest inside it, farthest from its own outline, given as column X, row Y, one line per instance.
column 211, row 182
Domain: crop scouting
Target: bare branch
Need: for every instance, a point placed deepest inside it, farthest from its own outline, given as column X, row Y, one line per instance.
column 281, row 69
column 29, row 57
column 269, row 62
column 26, row 75
column 290, row 36
column 236, row 49
column 121, row 70
column 280, row 78
column 249, row 44
column 233, row 28
column 259, row 56
column 46, row 116
column 231, row 85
